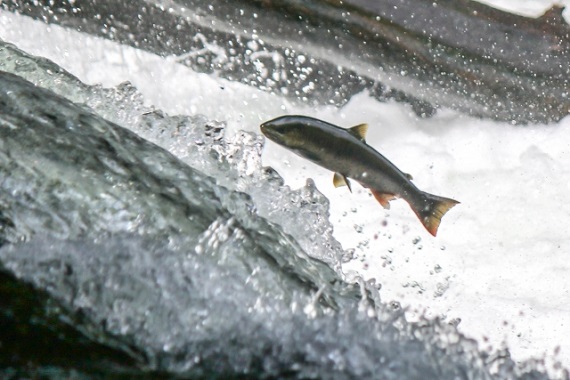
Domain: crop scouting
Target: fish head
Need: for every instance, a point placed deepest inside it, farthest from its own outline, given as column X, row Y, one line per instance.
column 287, row 131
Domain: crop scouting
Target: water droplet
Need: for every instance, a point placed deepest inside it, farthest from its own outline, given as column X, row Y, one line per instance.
column 395, row 305
column 441, row 288
column 455, row 321
column 348, row 255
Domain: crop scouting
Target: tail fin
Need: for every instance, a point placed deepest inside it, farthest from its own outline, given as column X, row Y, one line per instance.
column 431, row 210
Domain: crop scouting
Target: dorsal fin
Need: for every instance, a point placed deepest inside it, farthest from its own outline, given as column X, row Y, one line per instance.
column 359, row 131
column 341, row 180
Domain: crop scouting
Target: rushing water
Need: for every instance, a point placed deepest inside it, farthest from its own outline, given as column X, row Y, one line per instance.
column 150, row 257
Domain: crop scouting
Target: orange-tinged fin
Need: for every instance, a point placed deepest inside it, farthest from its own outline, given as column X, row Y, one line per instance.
column 341, row 180
column 383, row 198
column 432, row 210
column 359, row 131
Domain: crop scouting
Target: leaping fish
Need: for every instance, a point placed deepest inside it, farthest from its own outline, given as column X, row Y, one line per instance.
column 345, row 152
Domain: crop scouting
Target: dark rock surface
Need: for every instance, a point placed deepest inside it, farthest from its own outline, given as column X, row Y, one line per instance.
column 456, row 54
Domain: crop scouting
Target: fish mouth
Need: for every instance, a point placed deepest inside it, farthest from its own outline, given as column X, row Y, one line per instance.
column 269, row 131
column 264, row 129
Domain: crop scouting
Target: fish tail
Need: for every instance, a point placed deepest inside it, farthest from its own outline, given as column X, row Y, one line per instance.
column 431, row 209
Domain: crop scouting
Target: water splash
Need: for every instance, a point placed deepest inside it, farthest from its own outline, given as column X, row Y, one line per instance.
column 151, row 253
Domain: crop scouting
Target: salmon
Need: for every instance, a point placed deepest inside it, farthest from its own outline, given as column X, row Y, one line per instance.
column 346, row 153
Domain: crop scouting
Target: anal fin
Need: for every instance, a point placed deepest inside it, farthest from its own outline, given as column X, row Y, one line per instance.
column 383, row 198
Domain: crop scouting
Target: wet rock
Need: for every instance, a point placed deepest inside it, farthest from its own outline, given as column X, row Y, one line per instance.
column 461, row 55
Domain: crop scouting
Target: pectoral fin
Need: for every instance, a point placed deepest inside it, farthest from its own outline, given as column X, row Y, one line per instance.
column 341, row 180
column 383, row 198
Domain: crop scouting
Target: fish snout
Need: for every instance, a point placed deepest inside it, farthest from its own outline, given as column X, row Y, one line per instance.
column 284, row 132
column 263, row 128
column 270, row 132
